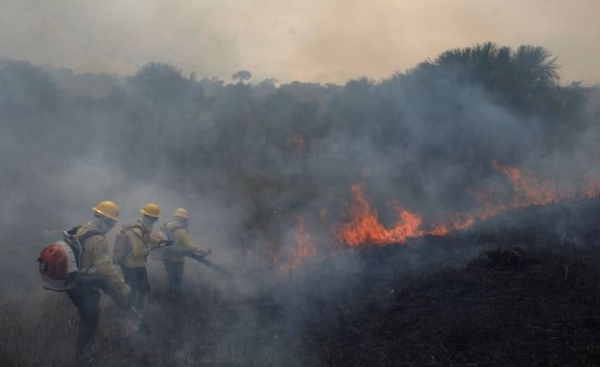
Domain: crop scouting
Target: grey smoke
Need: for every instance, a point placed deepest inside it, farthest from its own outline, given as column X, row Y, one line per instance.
column 245, row 159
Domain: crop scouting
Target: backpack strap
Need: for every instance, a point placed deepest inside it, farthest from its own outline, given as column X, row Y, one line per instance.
column 131, row 228
column 176, row 228
column 169, row 231
column 86, row 236
column 73, row 230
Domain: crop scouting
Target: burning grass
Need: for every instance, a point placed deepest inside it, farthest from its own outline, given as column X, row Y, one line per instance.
column 529, row 296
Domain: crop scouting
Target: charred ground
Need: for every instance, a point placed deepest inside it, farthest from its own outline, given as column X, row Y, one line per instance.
column 510, row 308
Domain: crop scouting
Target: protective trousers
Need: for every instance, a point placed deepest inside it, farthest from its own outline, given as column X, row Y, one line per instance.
column 87, row 301
column 175, row 273
column 137, row 279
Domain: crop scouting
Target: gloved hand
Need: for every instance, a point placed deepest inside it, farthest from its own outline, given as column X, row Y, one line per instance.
column 158, row 236
column 124, row 289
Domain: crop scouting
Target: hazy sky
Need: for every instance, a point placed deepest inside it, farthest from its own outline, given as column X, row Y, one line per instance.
column 307, row 40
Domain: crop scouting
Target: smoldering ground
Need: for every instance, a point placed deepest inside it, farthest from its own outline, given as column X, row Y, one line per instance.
column 252, row 161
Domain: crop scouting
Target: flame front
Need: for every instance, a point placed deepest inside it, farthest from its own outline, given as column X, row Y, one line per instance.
column 457, row 222
column 364, row 226
column 593, row 188
column 528, row 190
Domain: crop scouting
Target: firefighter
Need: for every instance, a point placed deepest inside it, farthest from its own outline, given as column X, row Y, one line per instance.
column 141, row 241
column 95, row 261
column 176, row 231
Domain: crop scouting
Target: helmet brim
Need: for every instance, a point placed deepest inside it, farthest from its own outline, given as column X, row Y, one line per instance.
column 104, row 214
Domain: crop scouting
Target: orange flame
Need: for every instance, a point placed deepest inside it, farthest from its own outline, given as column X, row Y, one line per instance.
column 529, row 190
column 592, row 189
column 458, row 221
column 364, row 226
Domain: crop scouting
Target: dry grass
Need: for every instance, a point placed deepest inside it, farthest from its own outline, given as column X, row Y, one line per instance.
column 200, row 329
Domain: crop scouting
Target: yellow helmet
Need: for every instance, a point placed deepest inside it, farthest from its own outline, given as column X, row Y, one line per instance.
column 151, row 210
column 107, row 209
column 181, row 212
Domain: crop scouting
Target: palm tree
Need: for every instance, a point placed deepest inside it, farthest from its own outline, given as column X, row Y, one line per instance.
column 536, row 66
column 526, row 79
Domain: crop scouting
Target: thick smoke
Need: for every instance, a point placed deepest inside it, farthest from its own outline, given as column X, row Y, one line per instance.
column 252, row 161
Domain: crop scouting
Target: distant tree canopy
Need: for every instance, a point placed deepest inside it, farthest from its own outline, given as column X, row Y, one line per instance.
column 242, row 75
column 23, row 86
column 160, row 82
column 525, row 79
column 426, row 136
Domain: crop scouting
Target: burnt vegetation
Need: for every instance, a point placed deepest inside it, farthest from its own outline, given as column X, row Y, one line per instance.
column 519, row 289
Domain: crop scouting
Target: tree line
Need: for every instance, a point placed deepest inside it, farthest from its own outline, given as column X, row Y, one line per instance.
column 424, row 136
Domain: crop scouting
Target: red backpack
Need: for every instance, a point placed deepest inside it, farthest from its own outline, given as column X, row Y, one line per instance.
column 59, row 262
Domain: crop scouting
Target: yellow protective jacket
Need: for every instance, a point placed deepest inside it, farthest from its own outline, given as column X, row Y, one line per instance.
column 141, row 244
column 182, row 241
column 96, row 259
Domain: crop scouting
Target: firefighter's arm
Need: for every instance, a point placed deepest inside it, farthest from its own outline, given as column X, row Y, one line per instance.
column 155, row 240
column 104, row 266
column 183, row 237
